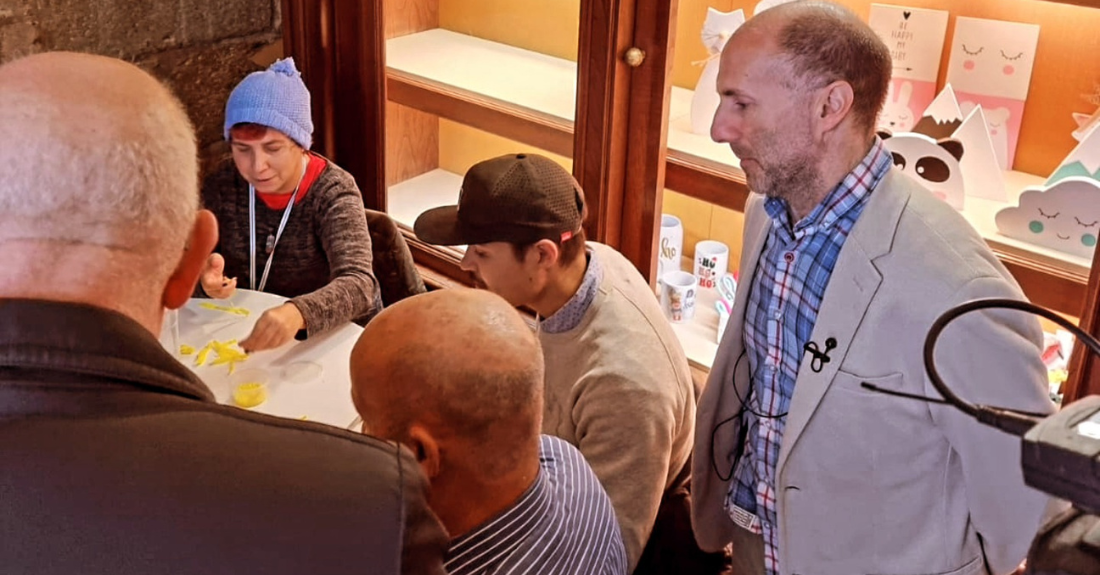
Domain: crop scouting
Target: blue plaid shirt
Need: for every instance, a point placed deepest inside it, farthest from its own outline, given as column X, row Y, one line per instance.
column 786, row 293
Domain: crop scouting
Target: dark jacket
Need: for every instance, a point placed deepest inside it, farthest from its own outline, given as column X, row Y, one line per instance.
column 114, row 458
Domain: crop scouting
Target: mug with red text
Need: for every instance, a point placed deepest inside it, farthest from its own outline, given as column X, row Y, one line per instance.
column 712, row 260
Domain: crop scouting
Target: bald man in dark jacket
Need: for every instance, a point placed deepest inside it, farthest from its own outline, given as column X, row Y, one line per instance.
column 114, row 458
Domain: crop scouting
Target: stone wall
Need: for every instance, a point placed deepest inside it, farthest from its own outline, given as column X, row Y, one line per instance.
column 201, row 48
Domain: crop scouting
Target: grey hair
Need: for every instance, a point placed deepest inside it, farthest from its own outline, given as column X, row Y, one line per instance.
column 108, row 158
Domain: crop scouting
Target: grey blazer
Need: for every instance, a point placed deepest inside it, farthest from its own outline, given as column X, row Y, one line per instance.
column 869, row 483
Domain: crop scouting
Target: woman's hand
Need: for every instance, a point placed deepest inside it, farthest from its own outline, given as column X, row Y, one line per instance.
column 213, row 279
column 275, row 327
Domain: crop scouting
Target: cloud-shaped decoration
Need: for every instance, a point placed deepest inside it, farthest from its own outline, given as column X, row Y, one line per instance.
column 1064, row 216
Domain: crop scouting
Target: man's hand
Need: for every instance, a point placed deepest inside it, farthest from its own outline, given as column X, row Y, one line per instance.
column 213, row 279
column 275, row 327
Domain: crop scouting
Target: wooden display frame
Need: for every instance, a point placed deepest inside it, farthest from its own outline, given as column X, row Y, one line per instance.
column 617, row 142
column 1084, row 368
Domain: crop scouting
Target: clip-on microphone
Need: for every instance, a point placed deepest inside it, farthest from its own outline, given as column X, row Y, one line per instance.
column 818, row 357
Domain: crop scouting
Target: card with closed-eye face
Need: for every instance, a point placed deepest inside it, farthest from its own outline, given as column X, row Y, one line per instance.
column 991, row 63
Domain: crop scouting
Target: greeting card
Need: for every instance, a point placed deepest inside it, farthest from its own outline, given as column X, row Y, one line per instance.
column 990, row 65
column 915, row 38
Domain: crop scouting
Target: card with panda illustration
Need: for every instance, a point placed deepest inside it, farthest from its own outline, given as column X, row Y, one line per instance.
column 990, row 65
column 1064, row 216
column 974, row 173
column 915, row 39
column 934, row 163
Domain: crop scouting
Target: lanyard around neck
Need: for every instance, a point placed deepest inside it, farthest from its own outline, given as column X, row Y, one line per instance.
column 278, row 232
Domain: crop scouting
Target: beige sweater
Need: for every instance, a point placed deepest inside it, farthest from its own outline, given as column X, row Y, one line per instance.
column 618, row 387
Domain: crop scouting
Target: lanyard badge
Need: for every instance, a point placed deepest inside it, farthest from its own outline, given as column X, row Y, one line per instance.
column 272, row 241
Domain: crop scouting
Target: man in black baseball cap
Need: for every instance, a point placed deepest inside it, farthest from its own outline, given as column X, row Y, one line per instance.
column 617, row 381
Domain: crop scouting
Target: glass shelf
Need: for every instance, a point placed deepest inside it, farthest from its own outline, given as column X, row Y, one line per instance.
column 408, row 199
column 521, row 77
column 531, row 98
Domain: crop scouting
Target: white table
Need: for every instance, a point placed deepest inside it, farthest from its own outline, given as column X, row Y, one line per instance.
column 309, row 379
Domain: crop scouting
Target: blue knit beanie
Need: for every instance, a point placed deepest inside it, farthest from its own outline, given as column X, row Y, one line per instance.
column 276, row 98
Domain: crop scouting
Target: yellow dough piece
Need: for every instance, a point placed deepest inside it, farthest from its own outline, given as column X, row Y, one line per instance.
column 201, row 357
column 186, row 349
column 225, row 352
column 243, row 312
column 250, row 394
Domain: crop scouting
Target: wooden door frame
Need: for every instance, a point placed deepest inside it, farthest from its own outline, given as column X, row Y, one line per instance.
column 620, row 130
column 621, row 126
column 341, row 50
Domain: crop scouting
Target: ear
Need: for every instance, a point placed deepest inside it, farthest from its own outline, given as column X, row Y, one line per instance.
column 832, row 106
column 200, row 244
column 884, row 134
column 426, row 450
column 953, row 147
column 547, row 253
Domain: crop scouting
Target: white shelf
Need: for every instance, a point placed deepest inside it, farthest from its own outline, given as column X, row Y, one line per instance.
column 699, row 337
column 415, row 196
column 521, row 77
column 526, row 79
column 682, row 139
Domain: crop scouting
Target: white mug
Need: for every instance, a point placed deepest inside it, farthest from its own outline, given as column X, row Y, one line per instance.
column 712, row 260
column 678, row 296
column 671, row 245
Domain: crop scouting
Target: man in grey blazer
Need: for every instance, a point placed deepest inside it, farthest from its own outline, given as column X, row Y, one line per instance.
column 114, row 457
column 846, row 264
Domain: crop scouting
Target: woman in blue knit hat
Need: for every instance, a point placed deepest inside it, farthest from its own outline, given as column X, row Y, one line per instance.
column 290, row 221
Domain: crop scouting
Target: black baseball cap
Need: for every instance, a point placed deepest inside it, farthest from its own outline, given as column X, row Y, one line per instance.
column 517, row 198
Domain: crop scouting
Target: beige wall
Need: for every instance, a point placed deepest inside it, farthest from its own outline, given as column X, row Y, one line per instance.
column 546, row 26
column 461, row 146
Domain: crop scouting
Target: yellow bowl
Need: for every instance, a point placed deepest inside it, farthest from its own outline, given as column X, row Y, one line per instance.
column 250, row 394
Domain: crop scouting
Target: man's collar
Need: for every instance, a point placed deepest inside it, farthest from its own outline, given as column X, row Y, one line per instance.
column 860, row 181
column 79, row 338
column 569, row 315
column 515, row 523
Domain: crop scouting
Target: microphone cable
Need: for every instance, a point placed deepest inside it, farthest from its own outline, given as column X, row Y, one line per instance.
column 1013, row 421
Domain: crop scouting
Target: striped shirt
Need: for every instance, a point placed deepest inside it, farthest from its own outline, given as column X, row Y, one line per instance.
column 563, row 523
column 786, row 292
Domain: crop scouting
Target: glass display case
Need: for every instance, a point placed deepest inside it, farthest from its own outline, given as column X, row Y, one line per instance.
column 410, row 93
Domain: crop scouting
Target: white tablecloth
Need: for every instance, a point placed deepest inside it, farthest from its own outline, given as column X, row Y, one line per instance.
column 309, row 379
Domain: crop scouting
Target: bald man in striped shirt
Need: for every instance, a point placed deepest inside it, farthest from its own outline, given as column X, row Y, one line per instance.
column 466, row 398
